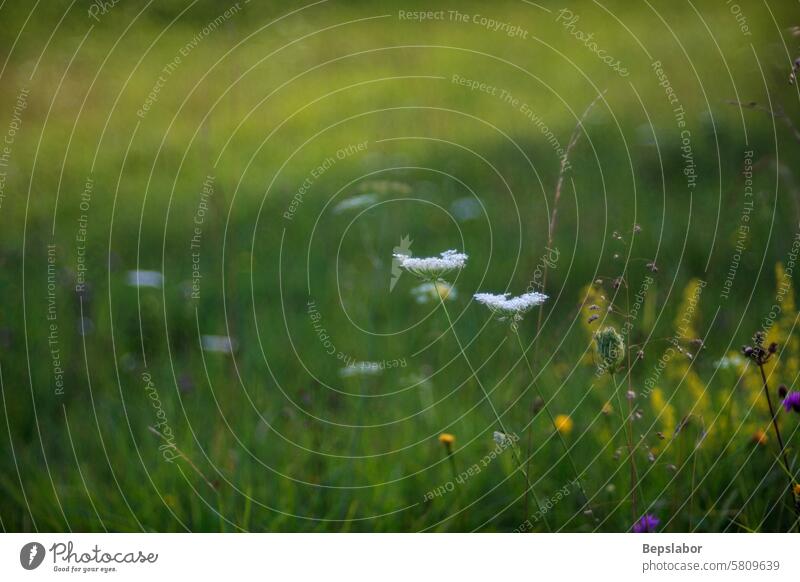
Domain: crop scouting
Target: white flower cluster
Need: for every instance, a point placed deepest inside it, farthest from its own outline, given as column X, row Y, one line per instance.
column 432, row 268
column 153, row 279
column 361, row 369
column 362, row 200
column 730, row 362
column 510, row 306
column 219, row 343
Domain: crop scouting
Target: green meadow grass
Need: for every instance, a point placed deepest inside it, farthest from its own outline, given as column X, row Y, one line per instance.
column 275, row 439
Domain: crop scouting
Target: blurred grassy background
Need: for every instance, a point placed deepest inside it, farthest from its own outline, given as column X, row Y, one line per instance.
column 262, row 100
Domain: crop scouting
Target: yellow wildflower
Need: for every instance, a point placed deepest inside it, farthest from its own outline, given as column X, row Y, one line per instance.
column 760, row 437
column 447, row 439
column 564, row 424
column 663, row 410
column 681, row 369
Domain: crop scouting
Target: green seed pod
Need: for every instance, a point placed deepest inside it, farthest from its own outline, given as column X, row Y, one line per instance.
column 610, row 349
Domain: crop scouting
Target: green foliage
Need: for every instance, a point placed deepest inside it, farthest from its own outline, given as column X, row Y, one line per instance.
column 274, row 437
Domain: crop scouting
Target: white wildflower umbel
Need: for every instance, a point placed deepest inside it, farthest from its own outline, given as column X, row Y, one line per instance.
column 360, row 201
column 432, row 268
column 361, row 369
column 508, row 307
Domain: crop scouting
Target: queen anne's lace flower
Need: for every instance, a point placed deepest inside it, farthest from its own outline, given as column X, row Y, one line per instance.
column 361, row 369
column 508, row 306
column 432, row 268
column 359, row 201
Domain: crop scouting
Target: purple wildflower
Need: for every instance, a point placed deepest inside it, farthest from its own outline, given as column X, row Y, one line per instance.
column 646, row 524
column 792, row 402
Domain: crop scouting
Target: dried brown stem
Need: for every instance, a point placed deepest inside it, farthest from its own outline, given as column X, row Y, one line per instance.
column 551, row 230
column 776, row 113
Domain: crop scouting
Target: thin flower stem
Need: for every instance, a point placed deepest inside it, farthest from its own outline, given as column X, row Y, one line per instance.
column 628, row 440
column 774, row 417
column 520, row 465
column 553, row 422
column 551, row 233
column 185, row 458
column 634, row 473
column 452, row 459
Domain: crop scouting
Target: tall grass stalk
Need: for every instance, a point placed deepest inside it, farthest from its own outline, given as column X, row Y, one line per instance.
column 551, row 231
